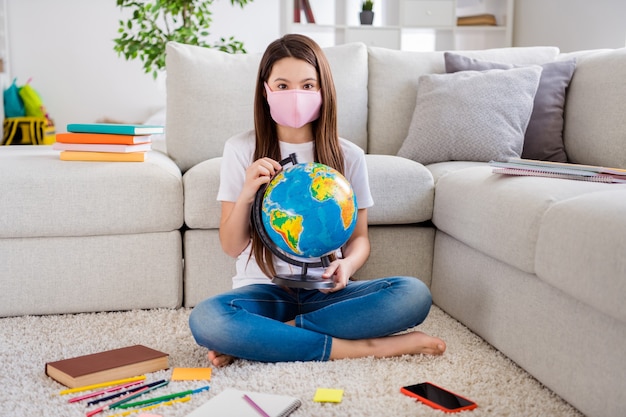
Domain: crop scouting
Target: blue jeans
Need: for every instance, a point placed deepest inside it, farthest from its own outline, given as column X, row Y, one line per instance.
column 248, row 322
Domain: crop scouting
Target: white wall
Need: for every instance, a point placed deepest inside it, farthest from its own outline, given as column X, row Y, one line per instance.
column 66, row 46
column 572, row 25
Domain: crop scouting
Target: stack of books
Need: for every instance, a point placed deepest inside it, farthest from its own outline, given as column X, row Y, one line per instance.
column 106, row 142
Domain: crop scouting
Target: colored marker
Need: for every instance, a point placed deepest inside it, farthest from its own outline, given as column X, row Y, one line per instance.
column 164, row 398
column 102, row 385
column 152, row 407
column 128, row 391
column 125, row 399
column 107, row 406
column 104, row 391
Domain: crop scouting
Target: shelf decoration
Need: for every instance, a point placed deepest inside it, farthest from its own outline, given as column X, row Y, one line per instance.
column 367, row 14
column 485, row 19
column 298, row 7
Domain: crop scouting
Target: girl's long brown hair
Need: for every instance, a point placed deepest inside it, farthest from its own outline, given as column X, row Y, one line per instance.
column 327, row 149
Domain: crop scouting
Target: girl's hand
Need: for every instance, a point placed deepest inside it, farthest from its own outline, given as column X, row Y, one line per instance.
column 355, row 253
column 260, row 172
column 340, row 270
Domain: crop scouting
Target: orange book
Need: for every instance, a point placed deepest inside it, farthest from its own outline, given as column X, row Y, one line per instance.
column 103, row 156
column 102, row 138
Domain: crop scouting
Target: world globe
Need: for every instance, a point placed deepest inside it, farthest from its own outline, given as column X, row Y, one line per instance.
column 309, row 210
column 305, row 213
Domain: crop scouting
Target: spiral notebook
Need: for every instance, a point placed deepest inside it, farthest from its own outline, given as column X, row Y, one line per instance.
column 528, row 173
column 232, row 403
column 534, row 168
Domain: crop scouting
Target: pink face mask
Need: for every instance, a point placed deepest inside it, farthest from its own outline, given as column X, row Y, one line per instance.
column 294, row 108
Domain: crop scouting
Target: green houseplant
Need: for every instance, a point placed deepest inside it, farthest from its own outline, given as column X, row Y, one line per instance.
column 367, row 14
column 156, row 22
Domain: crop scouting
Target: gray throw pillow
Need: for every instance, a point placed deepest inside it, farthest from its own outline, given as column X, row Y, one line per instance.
column 544, row 135
column 471, row 115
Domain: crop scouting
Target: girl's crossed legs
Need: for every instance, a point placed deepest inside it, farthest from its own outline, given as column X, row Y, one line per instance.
column 271, row 324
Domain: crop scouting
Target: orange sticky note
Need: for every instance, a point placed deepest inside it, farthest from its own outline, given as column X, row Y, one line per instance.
column 327, row 395
column 191, row 374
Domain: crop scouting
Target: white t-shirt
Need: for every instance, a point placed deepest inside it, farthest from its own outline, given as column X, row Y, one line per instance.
column 238, row 156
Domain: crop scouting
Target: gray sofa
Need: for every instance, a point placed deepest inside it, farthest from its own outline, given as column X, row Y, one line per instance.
column 535, row 266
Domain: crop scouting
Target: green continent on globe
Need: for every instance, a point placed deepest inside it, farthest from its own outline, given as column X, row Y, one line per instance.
column 288, row 226
column 325, row 187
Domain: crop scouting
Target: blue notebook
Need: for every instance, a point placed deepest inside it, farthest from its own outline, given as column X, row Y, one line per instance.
column 231, row 403
column 114, row 128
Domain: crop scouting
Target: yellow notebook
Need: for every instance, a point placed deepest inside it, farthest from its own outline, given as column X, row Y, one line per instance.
column 103, row 156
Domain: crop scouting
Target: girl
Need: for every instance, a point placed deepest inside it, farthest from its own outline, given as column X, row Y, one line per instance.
column 295, row 112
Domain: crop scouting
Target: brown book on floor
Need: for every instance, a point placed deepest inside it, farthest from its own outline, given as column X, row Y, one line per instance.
column 476, row 20
column 106, row 366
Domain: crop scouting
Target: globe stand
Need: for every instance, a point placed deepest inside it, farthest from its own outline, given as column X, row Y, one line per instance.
column 302, row 280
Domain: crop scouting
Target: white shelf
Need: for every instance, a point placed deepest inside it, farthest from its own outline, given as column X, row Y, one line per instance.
column 421, row 25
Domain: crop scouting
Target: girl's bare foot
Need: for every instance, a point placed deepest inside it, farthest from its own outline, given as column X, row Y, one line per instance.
column 413, row 343
column 219, row 359
column 423, row 343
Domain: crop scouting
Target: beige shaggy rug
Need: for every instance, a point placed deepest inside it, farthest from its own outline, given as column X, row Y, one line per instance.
column 371, row 386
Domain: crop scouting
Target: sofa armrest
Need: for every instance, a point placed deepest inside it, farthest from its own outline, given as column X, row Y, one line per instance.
column 200, row 185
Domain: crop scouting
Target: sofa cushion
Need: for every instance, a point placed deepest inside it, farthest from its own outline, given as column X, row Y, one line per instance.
column 392, row 86
column 440, row 169
column 403, row 192
column 579, row 247
column 471, row 115
column 75, row 198
column 594, row 119
column 207, row 87
column 501, row 215
column 544, row 135
column 75, row 274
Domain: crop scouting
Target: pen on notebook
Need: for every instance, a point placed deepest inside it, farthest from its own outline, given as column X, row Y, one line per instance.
column 255, row 406
column 164, row 397
column 128, row 391
column 104, row 391
column 101, row 385
column 126, row 398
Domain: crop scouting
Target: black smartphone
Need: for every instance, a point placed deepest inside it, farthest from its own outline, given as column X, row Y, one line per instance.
column 438, row 397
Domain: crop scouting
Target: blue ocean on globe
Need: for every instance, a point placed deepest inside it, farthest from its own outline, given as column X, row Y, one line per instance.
column 309, row 210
